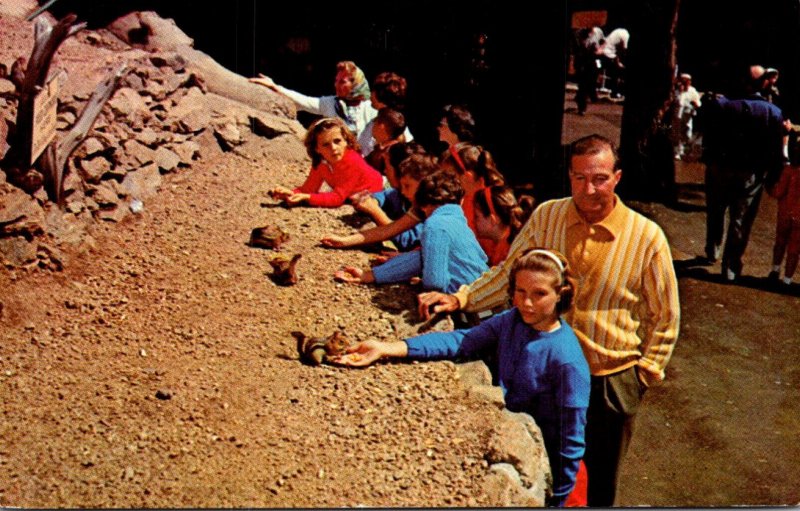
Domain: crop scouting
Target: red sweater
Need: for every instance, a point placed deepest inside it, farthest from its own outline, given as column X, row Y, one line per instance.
column 350, row 175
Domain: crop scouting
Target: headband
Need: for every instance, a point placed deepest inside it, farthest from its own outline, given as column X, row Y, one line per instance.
column 550, row 255
column 457, row 158
column 487, row 193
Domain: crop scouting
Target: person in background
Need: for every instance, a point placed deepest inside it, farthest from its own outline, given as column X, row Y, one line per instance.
column 626, row 314
column 388, row 128
column 456, row 126
column 743, row 151
column 787, row 230
column 388, row 91
column 351, row 103
column 542, row 370
column 613, row 50
column 335, row 161
column 587, row 65
column 499, row 218
column 684, row 109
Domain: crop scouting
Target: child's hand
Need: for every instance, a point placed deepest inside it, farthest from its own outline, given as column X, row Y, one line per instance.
column 360, row 355
column 415, row 280
column 335, row 241
column 296, row 198
column 382, row 258
column 280, row 193
column 349, row 274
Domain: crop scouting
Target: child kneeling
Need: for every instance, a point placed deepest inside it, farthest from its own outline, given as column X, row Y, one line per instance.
column 450, row 255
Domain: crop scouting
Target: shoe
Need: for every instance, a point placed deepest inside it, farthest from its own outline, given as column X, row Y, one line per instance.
column 728, row 275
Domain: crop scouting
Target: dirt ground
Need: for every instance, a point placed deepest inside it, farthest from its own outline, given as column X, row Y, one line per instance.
column 158, row 369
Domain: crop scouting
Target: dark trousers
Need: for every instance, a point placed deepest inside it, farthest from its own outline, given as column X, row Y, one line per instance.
column 739, row 193
column 613, row 403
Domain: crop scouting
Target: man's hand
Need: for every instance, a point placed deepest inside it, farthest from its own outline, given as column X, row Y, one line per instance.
column 434, row 302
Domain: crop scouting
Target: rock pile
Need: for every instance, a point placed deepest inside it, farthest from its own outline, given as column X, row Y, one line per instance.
column 160, row 121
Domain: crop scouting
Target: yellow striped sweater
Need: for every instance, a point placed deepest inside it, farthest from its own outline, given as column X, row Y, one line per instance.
column 626, row 311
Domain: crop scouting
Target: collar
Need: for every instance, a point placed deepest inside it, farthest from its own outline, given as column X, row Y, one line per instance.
column 614, row 223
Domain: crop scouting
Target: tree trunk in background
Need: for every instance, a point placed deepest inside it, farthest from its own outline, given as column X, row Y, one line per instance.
column 645, row 149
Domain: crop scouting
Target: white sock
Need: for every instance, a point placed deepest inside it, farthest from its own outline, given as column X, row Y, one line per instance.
column 787, row 280
column 776, row 267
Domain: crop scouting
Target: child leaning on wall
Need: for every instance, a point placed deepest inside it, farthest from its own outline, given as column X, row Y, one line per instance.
column 541, row 367
column 335, row 161
column 450, row 255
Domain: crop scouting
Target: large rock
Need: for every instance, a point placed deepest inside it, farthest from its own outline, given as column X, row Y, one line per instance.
column 127, row 103
column 517, row 440
column 148, row 31
column 17, row 251
column 504, row 488
column 166, row 160
column 93, row 169
column 143, row 183
column 20, row 213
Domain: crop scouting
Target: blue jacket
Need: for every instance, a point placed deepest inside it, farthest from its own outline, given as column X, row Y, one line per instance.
column 450, row 256
column 544, row 374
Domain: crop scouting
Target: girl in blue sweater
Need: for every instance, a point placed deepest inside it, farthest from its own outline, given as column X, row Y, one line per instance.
column 541, row 367
column 449, row 254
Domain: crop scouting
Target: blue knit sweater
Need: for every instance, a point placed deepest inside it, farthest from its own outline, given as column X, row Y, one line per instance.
column 543, row 374
column 450, row 256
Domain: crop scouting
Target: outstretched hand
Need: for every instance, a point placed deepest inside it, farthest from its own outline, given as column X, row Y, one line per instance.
column 264, row 80
column 361, row 354
column 349, row 274
column 434, row 302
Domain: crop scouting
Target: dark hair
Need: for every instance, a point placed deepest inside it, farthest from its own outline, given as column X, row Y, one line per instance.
column 418, row 166
column 476, row 159
column 441, row 187
column 534, row 260
column 390, row 89
column 393, row 120
column 324, row 124
column 593, row 144
column 399, row 152
column 460, row 122
column 510, row 211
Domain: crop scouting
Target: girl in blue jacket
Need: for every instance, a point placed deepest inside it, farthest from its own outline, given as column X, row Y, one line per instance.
column 541, row 367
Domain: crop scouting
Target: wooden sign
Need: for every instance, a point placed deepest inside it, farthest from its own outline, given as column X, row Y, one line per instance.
column 44, row 118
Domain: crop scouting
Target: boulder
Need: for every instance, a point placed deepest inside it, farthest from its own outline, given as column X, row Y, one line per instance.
column 17, row 251
column 143, row 183
column 187, row 151
column 127, row 103
column 105, row 194
column 166, row 160
column 503, row 488
column 20, row 213
column 228, row 136
column 513, row 443
column 93, row 169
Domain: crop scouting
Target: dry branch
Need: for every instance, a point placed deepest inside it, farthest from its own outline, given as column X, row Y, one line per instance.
column 55, row 157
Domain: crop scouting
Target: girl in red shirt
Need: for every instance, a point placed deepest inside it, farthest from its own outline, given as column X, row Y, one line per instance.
column 335, row 161
column 499, row 217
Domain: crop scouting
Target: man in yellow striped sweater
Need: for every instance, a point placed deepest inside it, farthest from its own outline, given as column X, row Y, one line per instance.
column 626, row 312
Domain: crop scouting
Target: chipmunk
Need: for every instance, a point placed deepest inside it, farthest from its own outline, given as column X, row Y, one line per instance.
column 318, row 350
column 283, row 269
column 269, row 236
